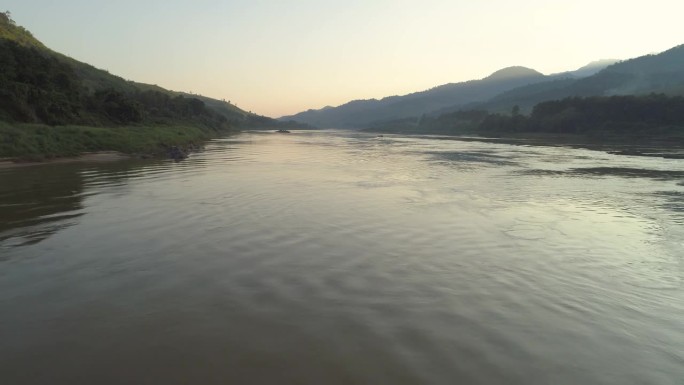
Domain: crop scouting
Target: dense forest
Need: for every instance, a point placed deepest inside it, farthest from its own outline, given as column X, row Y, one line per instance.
column 53, row 105
column 616, row 115
column 653, row 115
column 361, row 113
column 661, row 73
column 36, row 87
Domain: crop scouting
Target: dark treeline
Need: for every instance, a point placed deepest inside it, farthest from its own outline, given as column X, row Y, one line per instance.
column 53, row 106
column 615, row 115
column 653, row 115
column 37, row 87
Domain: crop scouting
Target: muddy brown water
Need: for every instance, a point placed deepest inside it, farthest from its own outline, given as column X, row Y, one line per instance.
column 344, row 258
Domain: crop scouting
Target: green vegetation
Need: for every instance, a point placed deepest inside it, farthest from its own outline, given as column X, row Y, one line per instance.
column 52, row 105
column 647, row 105
column 453, row 123
column 10, row 31
column 661, row 73
column 39, row 142
column 37, row 87
column 362, row 113
column 654, row 116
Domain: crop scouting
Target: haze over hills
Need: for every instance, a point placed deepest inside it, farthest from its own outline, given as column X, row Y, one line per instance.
column 41, row 86
column 363, row 112
column 660, row 73
column 638, row 100
column 444, row 98
column 592, row 68
column 514, row 86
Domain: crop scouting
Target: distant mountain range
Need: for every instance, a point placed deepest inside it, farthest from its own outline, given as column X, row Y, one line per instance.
column 587, row 70
column 661, row 73
column 513, row 86
column 359, row 113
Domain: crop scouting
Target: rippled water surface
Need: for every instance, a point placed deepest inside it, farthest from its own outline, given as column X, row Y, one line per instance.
column 342, row 258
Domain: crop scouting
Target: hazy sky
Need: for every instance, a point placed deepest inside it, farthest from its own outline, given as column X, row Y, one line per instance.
column 277, row 57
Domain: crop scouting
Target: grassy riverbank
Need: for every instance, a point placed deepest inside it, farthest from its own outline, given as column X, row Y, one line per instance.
column 626, row 124
column 52, row 106
column 39, row 142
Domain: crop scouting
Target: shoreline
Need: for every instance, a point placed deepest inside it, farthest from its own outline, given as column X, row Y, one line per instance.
column 27, row 144
column 88, row 157
column 650, row 147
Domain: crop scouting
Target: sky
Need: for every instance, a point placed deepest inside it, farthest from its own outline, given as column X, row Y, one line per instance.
column 280, row 57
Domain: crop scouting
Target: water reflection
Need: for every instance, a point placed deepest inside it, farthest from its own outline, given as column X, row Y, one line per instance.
column 38, row 201
column 672, row 203
column 608, row 171
column 475, row 157
column 326, row 258
column 630, row 172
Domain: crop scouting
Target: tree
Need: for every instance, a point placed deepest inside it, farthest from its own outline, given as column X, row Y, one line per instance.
column 6, row 18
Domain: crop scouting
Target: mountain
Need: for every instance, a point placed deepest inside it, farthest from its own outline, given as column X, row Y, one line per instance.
column 359, row 113
column 661, row 73
column 640, row 97
column 584, row 71
column 592, row 68
column 511, row 73
column 38, row 85
column 442, row 99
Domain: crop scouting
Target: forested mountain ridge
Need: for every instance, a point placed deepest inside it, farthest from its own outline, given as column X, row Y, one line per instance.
column 652, row 118
column 441, row 99
column 636, row 97
column 587, row 70
column 9, row 30
column 659, row 73
column 52, row 106
column 38, row 85
column 360, row 113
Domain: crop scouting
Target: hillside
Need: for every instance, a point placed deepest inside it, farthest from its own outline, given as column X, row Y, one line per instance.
column 661, row 73
column 446, row 98
column 38, row 85
column 592, row 68
column 9, row 30
column 360, row 113
column 636, row 97
column 654, row 119
column 53, row 105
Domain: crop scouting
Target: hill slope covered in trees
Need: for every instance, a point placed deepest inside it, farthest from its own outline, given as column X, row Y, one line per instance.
column 635, row 99
column 360, row 113
column 660, row 73
column 41, row 87
column 653, row 118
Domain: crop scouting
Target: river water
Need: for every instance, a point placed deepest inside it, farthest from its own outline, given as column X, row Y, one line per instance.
column 345, row 258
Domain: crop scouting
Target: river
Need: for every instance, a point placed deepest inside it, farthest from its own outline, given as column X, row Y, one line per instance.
column 344, row 258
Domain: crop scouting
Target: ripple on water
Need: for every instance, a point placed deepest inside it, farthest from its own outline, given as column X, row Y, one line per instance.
column 335, row 257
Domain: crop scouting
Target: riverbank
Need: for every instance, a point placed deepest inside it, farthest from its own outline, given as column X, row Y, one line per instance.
column 26, row 143
column 661, row 146
column 93, row 157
